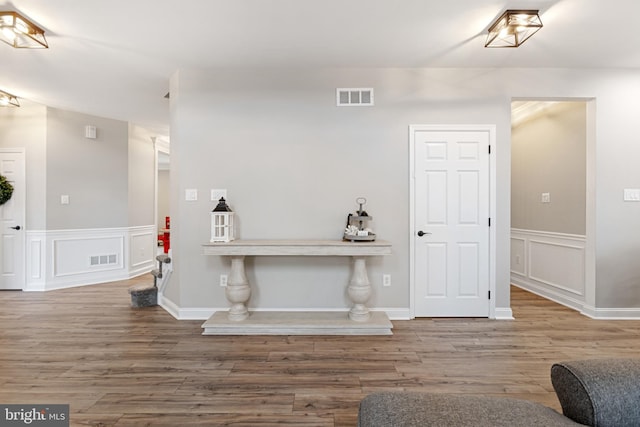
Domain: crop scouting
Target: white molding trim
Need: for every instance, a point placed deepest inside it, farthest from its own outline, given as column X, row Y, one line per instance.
column 611, row 313
column 504, row 313
column 204, row 313
column 169, row 306
column 35, row 261
column 402, row 313
column 552, row 265
column 586, row 310
column 549, row 294
column 576, row 299
column 58, row 259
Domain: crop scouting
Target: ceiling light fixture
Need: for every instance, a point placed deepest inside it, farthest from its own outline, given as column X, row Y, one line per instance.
column 8, row 100
column 513, row 28
column 19, row 32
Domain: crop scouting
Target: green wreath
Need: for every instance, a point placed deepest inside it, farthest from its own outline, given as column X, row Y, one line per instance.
column 6, row 190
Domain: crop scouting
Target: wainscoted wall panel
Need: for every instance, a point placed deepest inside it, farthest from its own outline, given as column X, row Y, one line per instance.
column 142, row 244
column 550, row 264
column 544, row 265
column 67, row 258
column 518, row 255
column 86, row 255
column 35, row 261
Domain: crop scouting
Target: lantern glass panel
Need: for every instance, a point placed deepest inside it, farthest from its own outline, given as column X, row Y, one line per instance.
column 222, row 229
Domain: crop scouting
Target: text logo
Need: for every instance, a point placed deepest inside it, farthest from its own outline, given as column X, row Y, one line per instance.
column 34, row 415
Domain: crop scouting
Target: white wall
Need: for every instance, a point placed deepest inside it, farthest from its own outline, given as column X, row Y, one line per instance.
column 617, row 151
column 293, row 163
column 92, row 172
column 141, row 171
column 26, row 127
column 548, row 155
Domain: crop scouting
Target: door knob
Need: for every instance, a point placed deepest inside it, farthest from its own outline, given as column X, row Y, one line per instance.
column 422, row 233
column 17, row 227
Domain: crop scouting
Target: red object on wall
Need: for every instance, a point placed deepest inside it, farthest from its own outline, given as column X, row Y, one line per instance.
column 166, row 241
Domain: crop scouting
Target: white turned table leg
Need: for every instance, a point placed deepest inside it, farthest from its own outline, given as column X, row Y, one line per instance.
column 359, row 290
column 238, row 290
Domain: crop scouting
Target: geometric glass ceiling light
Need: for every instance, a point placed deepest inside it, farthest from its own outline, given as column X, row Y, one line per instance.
column 19, row 32
column 513, row 28
column 8, row 100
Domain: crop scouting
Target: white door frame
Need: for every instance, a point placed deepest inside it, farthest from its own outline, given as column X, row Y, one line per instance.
column 492, row 207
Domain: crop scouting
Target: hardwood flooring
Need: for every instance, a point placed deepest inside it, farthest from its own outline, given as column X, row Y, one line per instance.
column 118, row 366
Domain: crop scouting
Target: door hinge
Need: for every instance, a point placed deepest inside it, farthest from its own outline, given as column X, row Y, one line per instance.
column 489, row 222
column 489, row 294
column 489, row 149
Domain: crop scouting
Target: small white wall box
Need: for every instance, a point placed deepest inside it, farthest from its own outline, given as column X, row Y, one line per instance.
column 222, row 228
column 90, row 132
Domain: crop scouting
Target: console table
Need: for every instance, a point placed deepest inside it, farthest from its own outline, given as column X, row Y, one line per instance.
column 238, row 320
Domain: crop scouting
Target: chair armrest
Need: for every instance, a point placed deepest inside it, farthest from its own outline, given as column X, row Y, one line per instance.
column 602, row 393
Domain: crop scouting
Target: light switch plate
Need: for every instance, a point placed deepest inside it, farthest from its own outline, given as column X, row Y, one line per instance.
column 546, row 198
column 216, row 194
column 64, row 199
column 191, row 194
column 632, row 194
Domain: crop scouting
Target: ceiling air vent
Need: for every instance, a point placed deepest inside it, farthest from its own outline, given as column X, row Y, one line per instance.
column 354, row 97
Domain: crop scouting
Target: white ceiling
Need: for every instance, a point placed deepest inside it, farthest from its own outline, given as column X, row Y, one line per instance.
column 114, row 58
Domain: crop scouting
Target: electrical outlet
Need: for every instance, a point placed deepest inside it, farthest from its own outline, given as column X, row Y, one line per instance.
column 386, row 280
column 223, row 280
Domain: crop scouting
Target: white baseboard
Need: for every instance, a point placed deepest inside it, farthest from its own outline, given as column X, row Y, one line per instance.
column 504, row 313
column 548, row 293
column 611, row 313
column 169, row 306
column 396, row 313
column 204, row 313
column 589, row 311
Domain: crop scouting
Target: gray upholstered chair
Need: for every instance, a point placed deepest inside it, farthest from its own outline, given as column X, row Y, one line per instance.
column 599, row 393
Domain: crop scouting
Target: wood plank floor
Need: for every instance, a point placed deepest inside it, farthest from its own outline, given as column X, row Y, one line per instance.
column 118, row 366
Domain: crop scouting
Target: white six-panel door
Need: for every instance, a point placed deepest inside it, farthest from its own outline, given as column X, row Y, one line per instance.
column 451, row 222
column 12, row 166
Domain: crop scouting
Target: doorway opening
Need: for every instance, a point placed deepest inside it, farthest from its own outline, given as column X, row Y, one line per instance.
column 163, row 217
column 552, row 202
